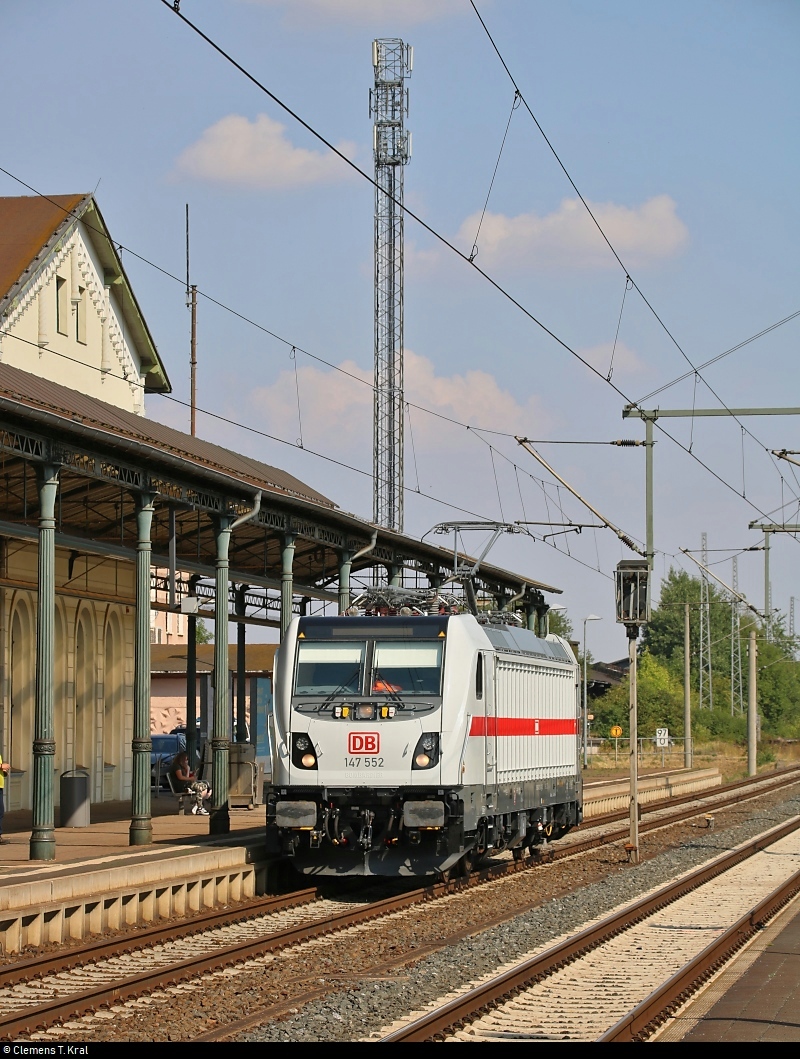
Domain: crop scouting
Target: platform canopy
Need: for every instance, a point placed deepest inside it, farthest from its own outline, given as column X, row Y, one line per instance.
column 108, row 456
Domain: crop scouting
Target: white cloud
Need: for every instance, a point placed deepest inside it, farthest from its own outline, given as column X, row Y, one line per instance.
column 337, row 410
column 626, row 361
column 259, row 155
column 568, row 238
column 400, row 12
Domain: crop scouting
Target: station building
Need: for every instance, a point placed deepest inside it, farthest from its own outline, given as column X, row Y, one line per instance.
column 106, row 515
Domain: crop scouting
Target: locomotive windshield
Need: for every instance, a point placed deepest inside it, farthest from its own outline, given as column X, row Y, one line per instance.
column 410, row 668
column 329, row 668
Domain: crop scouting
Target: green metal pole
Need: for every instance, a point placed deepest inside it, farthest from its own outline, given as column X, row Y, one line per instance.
column 287, row 582
column 43, row 834
column 633, row 633
column 649, row 546
column 767, row 615
column 141, row 829
column 345, row 566
column 220, row 821
column 241, row 667
column 191, row 681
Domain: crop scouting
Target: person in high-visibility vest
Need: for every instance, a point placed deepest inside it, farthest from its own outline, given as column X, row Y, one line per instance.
column 4, row 771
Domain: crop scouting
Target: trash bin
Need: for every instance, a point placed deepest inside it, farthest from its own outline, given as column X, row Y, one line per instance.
column 75, row 808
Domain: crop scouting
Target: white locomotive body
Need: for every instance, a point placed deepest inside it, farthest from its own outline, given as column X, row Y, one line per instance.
column 415, row 745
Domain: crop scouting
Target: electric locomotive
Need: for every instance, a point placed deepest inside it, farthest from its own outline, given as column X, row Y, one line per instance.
column 417, row 744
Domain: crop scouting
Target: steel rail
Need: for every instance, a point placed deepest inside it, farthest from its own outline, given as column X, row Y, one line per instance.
column 39, row 966
column 645, row 1018
column 30, row 1020
column 483, row 998
column 548, row 854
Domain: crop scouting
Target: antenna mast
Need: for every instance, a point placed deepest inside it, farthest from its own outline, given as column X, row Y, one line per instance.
column 191, row 303
column 392, row 61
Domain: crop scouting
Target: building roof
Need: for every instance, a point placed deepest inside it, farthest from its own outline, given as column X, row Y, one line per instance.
column 172, row 658
column 32, row 227
column 108, row 456
column 119, row 424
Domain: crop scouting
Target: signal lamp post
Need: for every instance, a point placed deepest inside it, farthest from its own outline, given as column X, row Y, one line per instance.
column 632, row 585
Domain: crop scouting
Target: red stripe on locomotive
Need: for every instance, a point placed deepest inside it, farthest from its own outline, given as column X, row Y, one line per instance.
column 523, row 726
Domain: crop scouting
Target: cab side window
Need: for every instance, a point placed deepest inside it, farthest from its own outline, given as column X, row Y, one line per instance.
column 479, row 678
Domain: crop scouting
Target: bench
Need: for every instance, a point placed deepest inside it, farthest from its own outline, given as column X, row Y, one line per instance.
column 184, row 797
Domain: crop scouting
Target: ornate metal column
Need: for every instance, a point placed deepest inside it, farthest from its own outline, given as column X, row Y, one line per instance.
column 241, row 667
column 43, row 835
column 141, row 830
column 345, row 565
column 191, row 679
column 287, row 581
column 220, row 822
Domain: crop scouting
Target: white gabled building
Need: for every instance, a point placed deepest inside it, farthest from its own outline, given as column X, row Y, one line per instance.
column 68, row 315
column 67, row 310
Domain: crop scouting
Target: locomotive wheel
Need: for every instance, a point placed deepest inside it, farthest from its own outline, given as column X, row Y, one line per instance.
column 518, row 852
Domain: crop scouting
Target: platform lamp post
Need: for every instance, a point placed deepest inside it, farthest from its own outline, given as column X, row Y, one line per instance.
column 590, row 617
column 631, row 582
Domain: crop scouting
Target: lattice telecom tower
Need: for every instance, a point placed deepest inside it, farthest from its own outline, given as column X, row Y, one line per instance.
column 392, row 61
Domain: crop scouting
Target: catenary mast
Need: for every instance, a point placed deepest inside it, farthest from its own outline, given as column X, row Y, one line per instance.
column 392, row 148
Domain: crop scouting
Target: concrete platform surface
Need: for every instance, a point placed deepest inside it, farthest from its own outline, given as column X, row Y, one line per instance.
column 755, row 998
column 107, row 835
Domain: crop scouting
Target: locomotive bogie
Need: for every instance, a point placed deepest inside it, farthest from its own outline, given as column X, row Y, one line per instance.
column 406, row 745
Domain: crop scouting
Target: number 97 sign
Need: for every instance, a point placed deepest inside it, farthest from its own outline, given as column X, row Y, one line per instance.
column 662, row 737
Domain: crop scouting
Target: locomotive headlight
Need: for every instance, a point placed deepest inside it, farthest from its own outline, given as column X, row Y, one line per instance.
column 303, row 755
column 364, row 712
column 426, row 752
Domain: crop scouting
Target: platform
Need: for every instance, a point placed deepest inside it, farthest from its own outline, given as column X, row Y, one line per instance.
column 98, row 882
column 755, row 998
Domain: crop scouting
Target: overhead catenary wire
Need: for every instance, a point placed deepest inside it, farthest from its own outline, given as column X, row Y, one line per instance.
column 514, row 105
column 602, row 232
column 311, row 452
column 429, row 411
column 356, row 378
column 719, row 356
column 450, row 246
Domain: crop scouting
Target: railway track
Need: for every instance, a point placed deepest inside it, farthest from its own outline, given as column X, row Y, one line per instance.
column 43, row 992
column 647, row 957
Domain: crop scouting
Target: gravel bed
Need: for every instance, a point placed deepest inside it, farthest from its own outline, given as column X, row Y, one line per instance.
column 557, row 898
column 355, row 1013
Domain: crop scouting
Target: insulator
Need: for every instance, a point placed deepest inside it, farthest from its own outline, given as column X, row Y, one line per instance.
column 626, row 443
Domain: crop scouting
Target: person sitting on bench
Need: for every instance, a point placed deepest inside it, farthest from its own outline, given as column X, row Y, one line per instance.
column 184, row 779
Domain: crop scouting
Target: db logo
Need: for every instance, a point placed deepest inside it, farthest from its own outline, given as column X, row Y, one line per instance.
column 363, row 743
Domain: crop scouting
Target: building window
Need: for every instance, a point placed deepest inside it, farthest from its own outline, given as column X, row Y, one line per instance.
column 80, row 316
column 62, row 306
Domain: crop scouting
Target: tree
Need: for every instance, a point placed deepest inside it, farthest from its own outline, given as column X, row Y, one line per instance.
column 560, row 624
column 202, row 633
column 778, row 671
column 659, row 696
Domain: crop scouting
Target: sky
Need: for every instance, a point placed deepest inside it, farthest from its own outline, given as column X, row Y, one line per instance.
column 677, row 122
